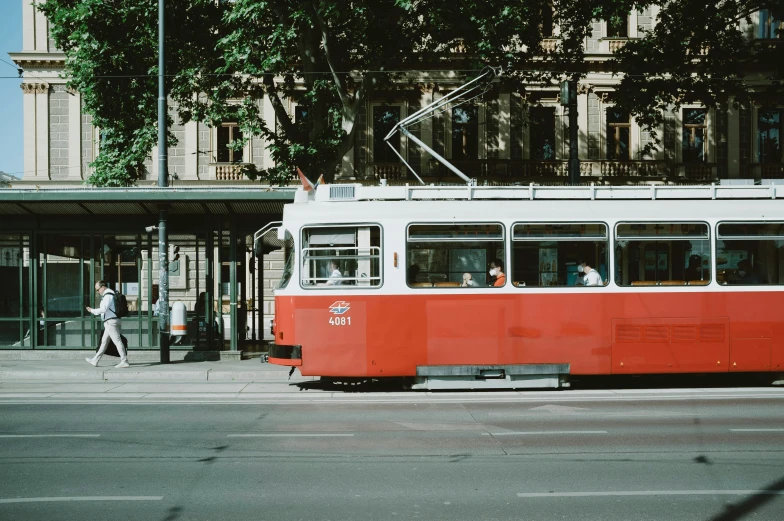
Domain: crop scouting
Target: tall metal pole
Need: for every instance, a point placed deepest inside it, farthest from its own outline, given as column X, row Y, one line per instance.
column 163, row 175
column 574, row 159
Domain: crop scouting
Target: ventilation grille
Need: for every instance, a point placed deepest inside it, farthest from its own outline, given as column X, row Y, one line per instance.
column 712, row 333
column 628, row 334
column 342, row 192
column 686, row 334
column 657, row 334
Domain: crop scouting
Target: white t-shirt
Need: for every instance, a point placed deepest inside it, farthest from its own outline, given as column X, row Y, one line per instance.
column 592, row 278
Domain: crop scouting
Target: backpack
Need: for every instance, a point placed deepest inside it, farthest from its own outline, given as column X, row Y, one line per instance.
column 120, row 305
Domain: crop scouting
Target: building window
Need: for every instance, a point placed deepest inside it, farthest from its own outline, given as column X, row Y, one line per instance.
column 465, row 132
column 750, row 253
column 618, row 28
column 455, row 255
column 384, row 118
column 618, row 135
column 769, row 27
column 694, row 131
column 542, row 133
column 228, row 133
column 769, row 132
column 341, row 257
column 662, row 254
column 552, row 254
column 548, row 26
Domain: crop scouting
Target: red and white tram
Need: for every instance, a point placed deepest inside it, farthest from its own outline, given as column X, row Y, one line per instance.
column 687, row 280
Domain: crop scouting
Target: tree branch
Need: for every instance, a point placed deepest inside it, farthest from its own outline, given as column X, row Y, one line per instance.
column 280, row 111
column 325, row 42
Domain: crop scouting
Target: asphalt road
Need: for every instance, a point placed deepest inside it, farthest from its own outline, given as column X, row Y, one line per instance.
column 652, row 457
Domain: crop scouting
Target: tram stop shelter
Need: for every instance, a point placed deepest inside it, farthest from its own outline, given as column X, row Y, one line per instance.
column 55, row 243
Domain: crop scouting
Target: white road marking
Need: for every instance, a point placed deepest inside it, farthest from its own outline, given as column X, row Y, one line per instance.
column 524, row 433
column 49, row 435
column 653, row 493
column 79, row 498
column 757, row 430
column 291, row 435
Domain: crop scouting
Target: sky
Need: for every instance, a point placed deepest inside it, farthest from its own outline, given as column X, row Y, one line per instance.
column 11, row 123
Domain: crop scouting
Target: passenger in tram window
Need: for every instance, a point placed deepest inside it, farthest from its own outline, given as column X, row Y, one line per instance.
column 468, row 281
column 746, row 273
column 335, row 274
column 694, row 271
column 592, row 277
column 497, row 271
column 413, row 273
column 580, row 276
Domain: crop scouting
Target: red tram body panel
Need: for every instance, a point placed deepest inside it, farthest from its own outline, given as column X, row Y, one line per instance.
column 599, row 334
column 368, row 321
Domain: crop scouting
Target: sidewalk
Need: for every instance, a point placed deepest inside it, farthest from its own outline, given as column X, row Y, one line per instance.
column 80, row 371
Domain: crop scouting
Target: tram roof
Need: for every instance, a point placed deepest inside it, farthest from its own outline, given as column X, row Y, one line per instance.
column 244, row 200
column 356, row 192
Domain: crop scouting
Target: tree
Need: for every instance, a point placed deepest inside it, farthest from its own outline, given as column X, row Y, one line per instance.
column 328, row 55
column 699, row 52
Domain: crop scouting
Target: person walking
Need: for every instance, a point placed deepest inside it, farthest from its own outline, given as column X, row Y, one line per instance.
column 111, row 326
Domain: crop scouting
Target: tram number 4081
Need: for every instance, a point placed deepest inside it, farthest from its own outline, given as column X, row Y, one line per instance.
column 340, row 321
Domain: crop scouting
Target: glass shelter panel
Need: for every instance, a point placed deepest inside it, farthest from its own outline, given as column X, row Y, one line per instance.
column 662, row 254
column 750, row 253
column 558, row 254
column 15, row 291
column 455, row 255
column 341, row 256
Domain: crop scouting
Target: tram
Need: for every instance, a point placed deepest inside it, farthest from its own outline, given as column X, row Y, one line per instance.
column 514, row 287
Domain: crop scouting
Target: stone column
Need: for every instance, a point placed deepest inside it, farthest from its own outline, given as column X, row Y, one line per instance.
column 41, row 31
column 192, row 151
column 74, row 135
column 36, row 130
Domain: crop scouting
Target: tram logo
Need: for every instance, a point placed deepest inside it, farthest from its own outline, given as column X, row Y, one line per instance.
column 339, row 307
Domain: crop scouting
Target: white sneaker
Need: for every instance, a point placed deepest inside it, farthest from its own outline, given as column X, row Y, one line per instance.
column 92, row 361
column 122, row 365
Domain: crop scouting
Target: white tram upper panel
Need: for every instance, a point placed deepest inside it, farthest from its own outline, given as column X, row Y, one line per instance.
column 350, row 238
column 353, row 203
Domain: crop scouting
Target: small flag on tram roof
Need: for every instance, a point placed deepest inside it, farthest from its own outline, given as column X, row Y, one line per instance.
column 319, row 181
column 306, row 184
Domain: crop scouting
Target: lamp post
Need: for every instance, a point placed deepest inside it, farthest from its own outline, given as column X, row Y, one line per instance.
column 163, row 239
column 569, row 99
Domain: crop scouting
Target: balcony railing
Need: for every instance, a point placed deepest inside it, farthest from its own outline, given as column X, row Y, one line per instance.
column 227, row 171
column 615, row 45
column 706, row 172
column 768, row 170
column 512, row 171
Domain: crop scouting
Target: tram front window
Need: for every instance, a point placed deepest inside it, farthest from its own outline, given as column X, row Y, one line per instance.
column 455, row 255
column 340, row 256
column 555, row 254
column 750, row 254
column 288, row 261
column 662, row 254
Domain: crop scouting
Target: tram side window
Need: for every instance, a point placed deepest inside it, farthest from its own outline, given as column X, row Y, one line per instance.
column 455, row 256
column 750, row 253
column 662, row 254
column 341, row 256
column 555, row 254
